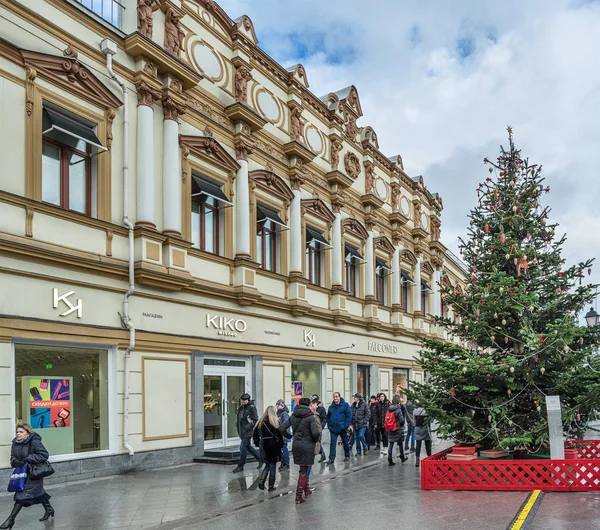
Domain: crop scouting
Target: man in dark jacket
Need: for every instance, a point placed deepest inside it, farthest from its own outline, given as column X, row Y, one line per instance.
column 322, row 413
column 360, row 421
column 339, row 418
column 381, row 409
column 371, row 430
column 246, row 420
column 283, row 414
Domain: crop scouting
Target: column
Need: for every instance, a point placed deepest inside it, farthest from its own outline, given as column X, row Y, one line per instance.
column 145, row 156
column 242, row 203
column 369, row 266
column 171, row 168
column 296, row 231
column 396, row 276
column 417, row 289
column 437, row 305
column 336, row 251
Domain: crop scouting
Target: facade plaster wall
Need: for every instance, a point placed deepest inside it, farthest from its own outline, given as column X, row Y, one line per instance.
column 12, row 127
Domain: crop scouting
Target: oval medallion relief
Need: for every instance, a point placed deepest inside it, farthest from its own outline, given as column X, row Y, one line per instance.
column 405, row 206
column 424, row 221
column 207, row 61
column 381, row 188
column 313, row 139
column 267, row 105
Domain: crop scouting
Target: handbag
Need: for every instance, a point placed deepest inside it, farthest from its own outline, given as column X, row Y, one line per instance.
column 317, row 448
column 40, row 471
column 18, row 478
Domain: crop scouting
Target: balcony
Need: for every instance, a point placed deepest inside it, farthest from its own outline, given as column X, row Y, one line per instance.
column 110, row 11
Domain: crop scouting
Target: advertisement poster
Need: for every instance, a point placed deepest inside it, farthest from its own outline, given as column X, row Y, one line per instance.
column 296, row 393
column 50, row 403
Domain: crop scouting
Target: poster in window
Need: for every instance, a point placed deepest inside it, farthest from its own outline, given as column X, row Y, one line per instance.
column 49, row 402
column 296, row 393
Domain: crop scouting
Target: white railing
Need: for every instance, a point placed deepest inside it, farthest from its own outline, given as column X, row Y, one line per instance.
column 111, row 11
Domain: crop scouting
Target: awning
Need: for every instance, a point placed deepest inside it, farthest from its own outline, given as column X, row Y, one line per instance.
column 425, row 286
column 317, row 237
column 201, row 186
column 264, row 213
column 381, row 264
column 54, row 121
column 352, row 253
column 406, row 277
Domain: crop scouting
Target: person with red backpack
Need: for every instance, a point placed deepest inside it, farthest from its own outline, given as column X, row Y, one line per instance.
column 394, row 427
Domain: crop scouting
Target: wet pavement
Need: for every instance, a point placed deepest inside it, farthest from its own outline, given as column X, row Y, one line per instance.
column 364, row 492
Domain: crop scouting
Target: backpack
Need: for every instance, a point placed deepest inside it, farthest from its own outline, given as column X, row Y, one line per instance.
column 420, row 420
column 390, row 423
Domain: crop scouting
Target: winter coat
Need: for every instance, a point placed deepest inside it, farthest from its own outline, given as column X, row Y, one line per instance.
column 32, row 451
column 283, row 415
column 410, row 410
column 398, row 434
column 247, row 418
column 360, row 414
column 422, row 432
column 306, row 431
column 322, row 413
column 270, row 441
column 373, row 411
column 339, row 417
column 380, row 412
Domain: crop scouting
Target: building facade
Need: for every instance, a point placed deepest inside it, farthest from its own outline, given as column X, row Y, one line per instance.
column 182, row 221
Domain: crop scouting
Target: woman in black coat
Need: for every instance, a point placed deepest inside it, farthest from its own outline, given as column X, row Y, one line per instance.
column 396, row 436
column 270, row 440
column 27, row 447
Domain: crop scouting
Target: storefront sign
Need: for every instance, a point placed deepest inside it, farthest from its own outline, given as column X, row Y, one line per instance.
column 297, row 388
column 64, row 298
column 152, row 315
column 49, row 402
column 380, row 347
column 309, row 338
column 227, row 327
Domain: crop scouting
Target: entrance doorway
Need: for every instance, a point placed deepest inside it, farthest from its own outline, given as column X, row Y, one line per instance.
column 363, row 381
column 224, row 383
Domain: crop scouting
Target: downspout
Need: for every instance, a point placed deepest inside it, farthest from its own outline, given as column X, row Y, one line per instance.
column 109, row 48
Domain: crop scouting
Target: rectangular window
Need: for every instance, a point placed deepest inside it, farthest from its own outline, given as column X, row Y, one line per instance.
column 112, row 11
column 400, row 380
column 309, row 374
column 269, row 224
column 405, row 284
column 382, row 271
column 352, row 263
column 208, row 203
column 69, row 144
column 316, row 245
column 424, row 297
column 63, row 394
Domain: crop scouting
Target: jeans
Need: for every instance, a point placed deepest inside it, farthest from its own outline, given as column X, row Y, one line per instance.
column 381, row 436
column 271, row 469
column 391, row 450
column 359, row 436
column 308, row 470
column 410, row 436
column 333, row 442
column 285, row 455
column 246, row 448
column 427, row 448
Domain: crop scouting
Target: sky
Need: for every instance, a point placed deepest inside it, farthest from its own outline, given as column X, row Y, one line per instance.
column 440, row 80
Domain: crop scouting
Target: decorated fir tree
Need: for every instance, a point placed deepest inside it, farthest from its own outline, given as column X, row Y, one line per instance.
column 515, row 337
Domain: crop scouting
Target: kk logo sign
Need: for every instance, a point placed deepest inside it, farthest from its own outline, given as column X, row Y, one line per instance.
column 309, row 338
column 64, row 298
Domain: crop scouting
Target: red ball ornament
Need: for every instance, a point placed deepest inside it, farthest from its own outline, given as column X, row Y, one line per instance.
column 502, row 238
column 505, row 340
column 580, row 340
column 452, row 393
column 486, row 228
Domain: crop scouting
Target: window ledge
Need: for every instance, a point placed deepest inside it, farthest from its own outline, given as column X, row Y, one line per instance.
column 197, row 253
column 271, row 274
column 319, row 288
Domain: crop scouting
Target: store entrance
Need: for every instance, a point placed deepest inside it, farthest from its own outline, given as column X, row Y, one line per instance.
column 224, row 383
column 363, row 381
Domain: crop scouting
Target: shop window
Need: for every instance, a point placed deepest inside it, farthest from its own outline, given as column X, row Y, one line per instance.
column 425, row 290
column 112, row 11
column 69, row 147
column 400, row 380
column 382, row 271
column 363, row 380
column 63, row 394
column 208, row 204
column 316, row 245
column 268, row 240
column 310, row 375
column 352, row 263
column 406, row 282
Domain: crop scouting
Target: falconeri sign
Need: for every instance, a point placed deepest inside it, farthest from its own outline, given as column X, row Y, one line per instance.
column 225, row 326
column 381, row 347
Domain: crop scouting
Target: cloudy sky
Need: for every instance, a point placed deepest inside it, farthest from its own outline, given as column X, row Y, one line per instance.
column 440, row 80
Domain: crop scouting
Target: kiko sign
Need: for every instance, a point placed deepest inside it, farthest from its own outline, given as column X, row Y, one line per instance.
column 225, row 326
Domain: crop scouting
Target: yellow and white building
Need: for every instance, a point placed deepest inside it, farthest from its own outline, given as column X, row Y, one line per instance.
column 181, row 221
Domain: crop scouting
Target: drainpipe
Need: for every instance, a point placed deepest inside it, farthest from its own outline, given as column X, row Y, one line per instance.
column 109, row 48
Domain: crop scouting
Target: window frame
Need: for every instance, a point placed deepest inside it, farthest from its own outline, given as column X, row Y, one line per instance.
column 215, row 210
column 352, row 271
column 263, row 228
column 314, row 251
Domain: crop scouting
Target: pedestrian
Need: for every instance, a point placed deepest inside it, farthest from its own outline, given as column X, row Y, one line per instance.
column 394, row 425
column 270, row 441
column 371, row 429
column 422, row 433
column 409, row 407
column 246, row 421
column 322, row 413
column 360, row 421
column 283, row 413
column 27, row 447
column 380, row 411
column 339, row 419
column 305, row 429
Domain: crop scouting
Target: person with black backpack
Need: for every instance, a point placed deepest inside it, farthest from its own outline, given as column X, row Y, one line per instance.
column 394, row 427
column 422, row 433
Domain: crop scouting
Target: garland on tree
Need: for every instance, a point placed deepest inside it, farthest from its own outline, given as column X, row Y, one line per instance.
column 514, row 336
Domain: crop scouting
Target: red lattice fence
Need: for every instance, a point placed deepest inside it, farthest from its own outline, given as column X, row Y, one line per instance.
column 583, row 474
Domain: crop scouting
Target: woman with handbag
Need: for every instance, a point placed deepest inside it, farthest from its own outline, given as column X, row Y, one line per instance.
column 27, row 448
column 270, row 440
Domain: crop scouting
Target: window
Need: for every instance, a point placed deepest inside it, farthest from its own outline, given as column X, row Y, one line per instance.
column 352, row 263
column 425, row 290
column 269, row 224
column 111, row 11
column 316, row 245
column 382, row 271
column 208, row 202
column 69, row 145
column 400, row 380
column 406, row 282
column 310, row 375
column 63, row 394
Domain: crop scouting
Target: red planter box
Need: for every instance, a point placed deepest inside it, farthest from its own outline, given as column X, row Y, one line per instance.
column 583, row 474
column 463, row 450
column 571, row 454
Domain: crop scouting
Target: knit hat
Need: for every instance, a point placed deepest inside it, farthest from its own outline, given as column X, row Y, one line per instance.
column 280, row 402
column 304, row 401
column 314, row 396
column 245, row 396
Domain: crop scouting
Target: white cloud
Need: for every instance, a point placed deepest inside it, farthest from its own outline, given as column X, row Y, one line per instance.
column 534, row 65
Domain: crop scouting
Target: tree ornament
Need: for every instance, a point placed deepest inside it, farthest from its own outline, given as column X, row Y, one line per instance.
column 464, row 369
column 578, row 417
column 486, row 228
column 506, row 340
column 504, row 322
column 515, row 209
column 502, row 238
column 580, row 341
column 542, row 370
column 490, row 418
column 512, row 369
column 507, row 256
column 495, row 315
column 509, row 391
column 522, row 266
column 501, row 290
column 510, row 422
column 539, row 409
column 452, row 392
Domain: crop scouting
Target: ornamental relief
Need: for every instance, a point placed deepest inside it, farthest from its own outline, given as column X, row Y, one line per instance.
column 352, row 165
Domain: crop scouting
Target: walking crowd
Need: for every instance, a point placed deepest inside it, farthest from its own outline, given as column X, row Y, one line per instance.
column 380, row 424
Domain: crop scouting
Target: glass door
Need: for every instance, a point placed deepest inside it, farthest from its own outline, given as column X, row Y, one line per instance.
column 363, row 380
column 235, row 388
column 221, row 402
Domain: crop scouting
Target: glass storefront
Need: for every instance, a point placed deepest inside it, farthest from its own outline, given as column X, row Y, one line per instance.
column 400, row 380
column 62, row 393
column 363, row 380
column 309, row 374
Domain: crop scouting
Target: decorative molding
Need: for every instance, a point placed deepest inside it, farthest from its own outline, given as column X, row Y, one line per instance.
column 242, row 150
column 29, row 213
column 336, row 147
column 369, row 178
column 173, row 33
column 146, row 94
column 209, row 150
column 172, row 109
column 30, row 75
column 354, row 227
column 242, row 77
column 296, row 124
column 109, row 116
column 407, row 256
column 384, row 244
column 317, row 208
column 145, row 20
column 109, row 241
column 426, row 267
column 272, row 183
column 352, row 165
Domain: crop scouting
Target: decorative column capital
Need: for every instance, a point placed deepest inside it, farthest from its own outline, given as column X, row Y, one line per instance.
column 296, row 182
column 370, row 224
column 172, row 109
column 242, row 150
column 337, row 202
column 147, row 94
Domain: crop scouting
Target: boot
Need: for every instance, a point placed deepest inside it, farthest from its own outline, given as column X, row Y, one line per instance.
column 272, row 484
column 391, row 462
column 238, row 469
column 10, row 522
column 417, row 462
column 307, row 489
column 378, row 447
column 49, row 511
column 263, row 478
column 322, row 459
column 300, row 488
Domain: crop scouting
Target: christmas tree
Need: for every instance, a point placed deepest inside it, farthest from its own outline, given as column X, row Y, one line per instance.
column 514, row 337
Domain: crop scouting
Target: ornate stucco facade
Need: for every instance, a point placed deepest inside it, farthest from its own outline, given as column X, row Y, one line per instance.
column 270, row 241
